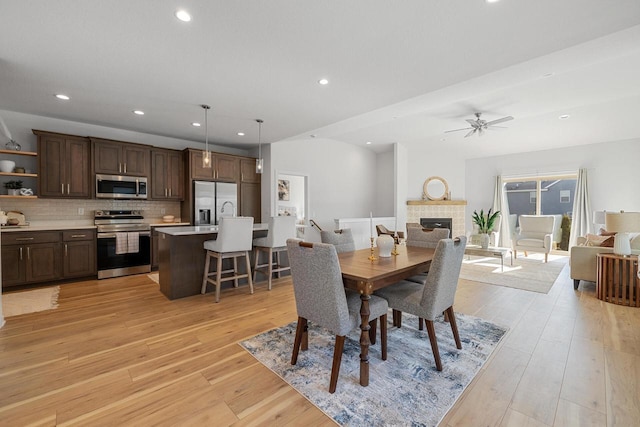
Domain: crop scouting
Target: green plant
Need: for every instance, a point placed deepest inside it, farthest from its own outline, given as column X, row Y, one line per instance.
column 485, row 222
column 13, row 185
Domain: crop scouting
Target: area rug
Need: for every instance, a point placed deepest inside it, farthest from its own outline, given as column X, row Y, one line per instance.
column 23, row 302
column 530, row 274
column 406, row 389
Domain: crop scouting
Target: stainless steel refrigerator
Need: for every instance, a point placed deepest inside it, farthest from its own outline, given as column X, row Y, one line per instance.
column 213, row 200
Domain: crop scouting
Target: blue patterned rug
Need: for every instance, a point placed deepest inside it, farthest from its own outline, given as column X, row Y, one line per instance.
column 406, row 389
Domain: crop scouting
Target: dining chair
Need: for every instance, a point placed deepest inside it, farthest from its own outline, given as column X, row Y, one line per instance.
column 281, row 228
column 341, row 239
column 436, row 296
column 381, row 229
column 234, row 240
column 322, row 300
column 425, row 238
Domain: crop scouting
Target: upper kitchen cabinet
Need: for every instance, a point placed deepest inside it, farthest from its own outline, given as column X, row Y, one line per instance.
column 248, row 171
column 167, row 175
column 64, row 165
column 120, row 158
column 224, row 167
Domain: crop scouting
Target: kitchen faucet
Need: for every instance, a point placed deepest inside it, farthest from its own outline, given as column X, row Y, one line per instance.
column 233, row 207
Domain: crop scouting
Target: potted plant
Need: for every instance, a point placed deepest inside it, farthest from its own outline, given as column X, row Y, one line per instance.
column 485, row 224
column 13, row 187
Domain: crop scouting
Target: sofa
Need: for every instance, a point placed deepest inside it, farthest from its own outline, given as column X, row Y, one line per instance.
column 582, row 258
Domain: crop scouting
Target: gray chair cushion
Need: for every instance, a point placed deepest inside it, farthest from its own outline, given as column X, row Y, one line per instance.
column 341, row 239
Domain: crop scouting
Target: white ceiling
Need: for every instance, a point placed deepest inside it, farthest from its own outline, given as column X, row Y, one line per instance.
column 399, row 71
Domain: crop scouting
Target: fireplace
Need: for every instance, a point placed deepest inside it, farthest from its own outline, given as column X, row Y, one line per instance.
column 437, row 223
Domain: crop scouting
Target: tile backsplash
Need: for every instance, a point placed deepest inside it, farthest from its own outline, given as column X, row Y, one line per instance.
column 37, row 210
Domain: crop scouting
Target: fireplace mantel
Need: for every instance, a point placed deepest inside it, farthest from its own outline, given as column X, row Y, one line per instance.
column 436, row 202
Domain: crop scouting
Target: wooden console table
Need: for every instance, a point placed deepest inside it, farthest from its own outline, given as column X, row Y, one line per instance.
column 617, row 281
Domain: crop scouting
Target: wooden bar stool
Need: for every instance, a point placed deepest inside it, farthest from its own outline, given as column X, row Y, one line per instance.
column 281, row 228
column 233, row 241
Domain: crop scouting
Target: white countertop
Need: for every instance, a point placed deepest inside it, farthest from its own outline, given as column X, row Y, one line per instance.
column 74, row 225
column 202, row 229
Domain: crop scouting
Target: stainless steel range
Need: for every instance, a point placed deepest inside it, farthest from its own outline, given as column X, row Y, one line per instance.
column 124, row 243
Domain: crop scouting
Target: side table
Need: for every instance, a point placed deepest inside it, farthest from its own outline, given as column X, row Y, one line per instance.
column 617, row 281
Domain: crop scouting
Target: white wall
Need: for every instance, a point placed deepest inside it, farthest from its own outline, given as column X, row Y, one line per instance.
column 611, row 170
column 342, row 177
column 385, row 184
column 444, row 162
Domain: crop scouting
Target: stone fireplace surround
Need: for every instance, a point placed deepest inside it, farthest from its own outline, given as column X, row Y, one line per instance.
column 454, row 209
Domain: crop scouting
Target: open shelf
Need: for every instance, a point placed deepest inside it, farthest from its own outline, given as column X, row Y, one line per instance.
column 19, row 153
column 26, row 175
column 6, row 196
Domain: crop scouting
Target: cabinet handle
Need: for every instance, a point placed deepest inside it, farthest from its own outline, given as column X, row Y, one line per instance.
column 24, row 239
column 169, row 192
column 20, row 254
column 62, row 188
column 119, row 167
column 165, row 192
column 74, row 236
column 66, row 250
column 125, row 168
column 28, row 252
column 68, row 186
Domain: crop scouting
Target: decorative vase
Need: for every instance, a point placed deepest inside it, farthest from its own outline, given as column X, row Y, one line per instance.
column 484, row 240
column 622, row 244
column 385, row 245
column 13, row 191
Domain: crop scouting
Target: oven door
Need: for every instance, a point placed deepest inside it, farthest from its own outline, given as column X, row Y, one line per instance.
column 111, row 264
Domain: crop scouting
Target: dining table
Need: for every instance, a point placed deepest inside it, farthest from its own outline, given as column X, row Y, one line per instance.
column 366, row 275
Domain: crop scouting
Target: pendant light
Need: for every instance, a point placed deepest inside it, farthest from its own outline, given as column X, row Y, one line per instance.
column 206, row 154
column 259, row 162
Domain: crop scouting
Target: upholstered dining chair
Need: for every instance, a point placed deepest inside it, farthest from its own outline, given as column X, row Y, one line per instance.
column 322, row 300
column 281, row 228
column 425, row 238
column 341, row 239
column 535, row 235
column 234, row 240
column 436, row 296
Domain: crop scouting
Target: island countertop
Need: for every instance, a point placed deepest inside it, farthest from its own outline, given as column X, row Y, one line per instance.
column 202, row 229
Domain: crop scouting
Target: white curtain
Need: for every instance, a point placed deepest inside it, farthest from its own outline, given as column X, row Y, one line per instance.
column 581, row 216
column 500, row 203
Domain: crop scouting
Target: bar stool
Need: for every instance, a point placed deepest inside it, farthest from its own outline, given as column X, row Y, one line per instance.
column 281, row 228
column 233, row 241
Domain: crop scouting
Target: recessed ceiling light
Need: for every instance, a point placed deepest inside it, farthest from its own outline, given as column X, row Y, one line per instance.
column 138, row 112
column 196, row 124
column 183, row 15
column 368, row 142
column 323, row 81
column 62, row 96
column 564, row 117
column 492, row 1
column 547, row 75
column 240, row 134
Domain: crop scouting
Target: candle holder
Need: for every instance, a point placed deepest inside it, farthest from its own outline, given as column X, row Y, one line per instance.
column 372, row 257
column 395, row 244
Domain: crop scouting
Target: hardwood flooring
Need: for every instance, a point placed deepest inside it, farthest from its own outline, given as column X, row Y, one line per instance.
column 117, row 352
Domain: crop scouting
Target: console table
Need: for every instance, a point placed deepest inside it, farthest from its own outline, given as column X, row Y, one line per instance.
column 617, row 279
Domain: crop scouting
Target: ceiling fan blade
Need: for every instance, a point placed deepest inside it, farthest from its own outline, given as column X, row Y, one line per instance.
column 472, row 122
column 471, row 133
column 456, row 130
column 500, row 128
column 502, row 120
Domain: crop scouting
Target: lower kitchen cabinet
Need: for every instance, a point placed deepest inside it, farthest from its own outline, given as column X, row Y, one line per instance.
column 30, row 257
column 155, row 259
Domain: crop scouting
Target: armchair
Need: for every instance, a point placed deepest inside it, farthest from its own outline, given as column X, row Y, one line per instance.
column 535, row 235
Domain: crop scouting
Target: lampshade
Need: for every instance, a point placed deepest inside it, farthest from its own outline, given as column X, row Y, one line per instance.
column 206, row 154
column 259, row 161
column 622, row 221
column 622, row 244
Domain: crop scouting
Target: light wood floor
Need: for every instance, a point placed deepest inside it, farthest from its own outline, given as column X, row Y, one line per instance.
column 117, row 352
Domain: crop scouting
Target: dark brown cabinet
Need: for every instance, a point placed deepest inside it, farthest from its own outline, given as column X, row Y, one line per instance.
column 79, row 253
column 30, row 257
column 250, row 189
column 223, row 167
column 64, row 166
column 155, row 259
column 120, row 158
column 167, row 175
column 248, row 171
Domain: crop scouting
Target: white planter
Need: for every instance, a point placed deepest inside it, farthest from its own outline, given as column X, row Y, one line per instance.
column 13, row 192
column 484, row 240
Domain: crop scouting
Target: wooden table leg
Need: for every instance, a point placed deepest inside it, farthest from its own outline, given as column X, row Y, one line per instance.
column 364, row 340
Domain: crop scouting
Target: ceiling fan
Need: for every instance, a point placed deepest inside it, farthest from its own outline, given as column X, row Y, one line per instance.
column 479, row 126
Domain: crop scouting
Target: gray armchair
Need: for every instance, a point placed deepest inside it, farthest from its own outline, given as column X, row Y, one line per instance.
column 437, row 295
column 322, row 299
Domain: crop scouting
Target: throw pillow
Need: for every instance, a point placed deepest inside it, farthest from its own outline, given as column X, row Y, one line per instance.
column 594, row 240
column 635, row 241
column 608, row 242
column 604, row 232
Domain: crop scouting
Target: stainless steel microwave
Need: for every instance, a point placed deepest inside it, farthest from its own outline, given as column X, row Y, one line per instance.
column 121, row 187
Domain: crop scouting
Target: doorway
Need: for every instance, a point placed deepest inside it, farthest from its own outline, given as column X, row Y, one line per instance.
column 292, row 198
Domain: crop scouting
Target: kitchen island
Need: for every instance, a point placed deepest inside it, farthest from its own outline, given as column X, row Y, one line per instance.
column 182, row 256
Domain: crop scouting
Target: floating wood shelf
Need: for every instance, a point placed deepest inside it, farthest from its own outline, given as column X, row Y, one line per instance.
column 7, row 196
column 27, row 175
column 19, row 153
